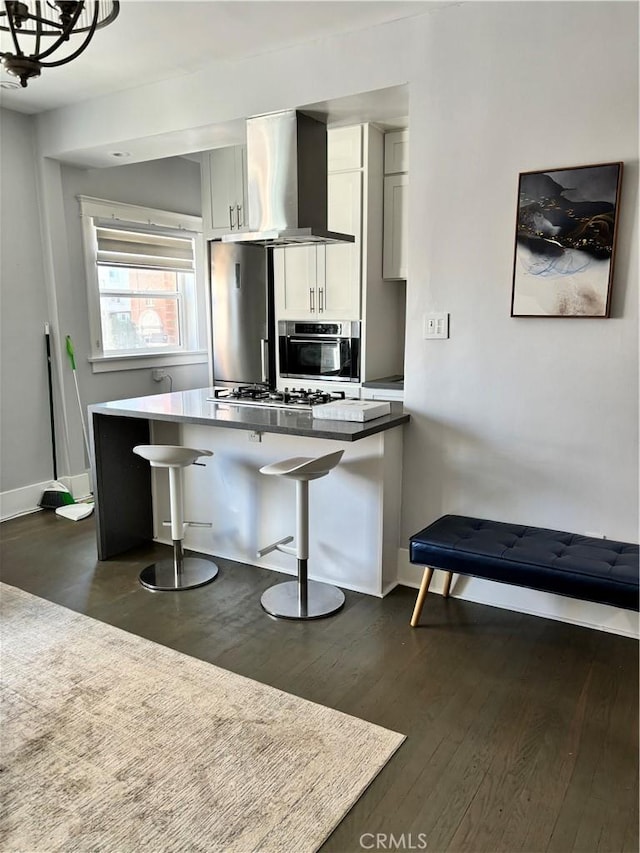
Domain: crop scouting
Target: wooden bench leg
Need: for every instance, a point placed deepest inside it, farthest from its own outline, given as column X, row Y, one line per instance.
column 424, row 587
column 447, row 584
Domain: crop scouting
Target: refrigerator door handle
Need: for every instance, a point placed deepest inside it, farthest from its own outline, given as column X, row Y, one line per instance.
column 264, row 357
column 237, row 274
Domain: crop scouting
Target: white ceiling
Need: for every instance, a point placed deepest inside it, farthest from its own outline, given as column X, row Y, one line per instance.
column 153, row 40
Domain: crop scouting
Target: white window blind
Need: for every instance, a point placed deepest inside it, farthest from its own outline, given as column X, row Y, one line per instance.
column 118, row 247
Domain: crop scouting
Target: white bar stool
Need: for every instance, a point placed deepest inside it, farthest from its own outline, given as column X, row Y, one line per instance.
column 301, row 599
column 181, row 572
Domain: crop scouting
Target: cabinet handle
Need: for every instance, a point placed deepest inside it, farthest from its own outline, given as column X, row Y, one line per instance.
column 240, row 221
column 311, row 300
column 231, row 225
column 321, row 299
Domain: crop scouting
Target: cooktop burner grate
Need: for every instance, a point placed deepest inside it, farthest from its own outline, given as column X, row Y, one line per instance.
column 289, row 398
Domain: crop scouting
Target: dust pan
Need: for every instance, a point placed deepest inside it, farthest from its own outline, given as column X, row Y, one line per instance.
column 75, row 511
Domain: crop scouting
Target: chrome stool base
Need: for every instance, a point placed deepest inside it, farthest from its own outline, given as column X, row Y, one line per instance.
column 283, row 600
column 164, row 576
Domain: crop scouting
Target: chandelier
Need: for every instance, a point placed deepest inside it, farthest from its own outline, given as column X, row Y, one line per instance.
column 36, row 23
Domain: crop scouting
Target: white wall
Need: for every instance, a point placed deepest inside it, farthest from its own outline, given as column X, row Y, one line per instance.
column 525, row 420
column 44, row 279
column 25, row 448
column 529, row 420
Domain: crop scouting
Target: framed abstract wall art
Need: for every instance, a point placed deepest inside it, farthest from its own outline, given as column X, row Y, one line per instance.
column 565, row 241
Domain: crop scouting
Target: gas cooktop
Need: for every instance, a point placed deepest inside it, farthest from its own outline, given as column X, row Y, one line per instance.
column 291, row 398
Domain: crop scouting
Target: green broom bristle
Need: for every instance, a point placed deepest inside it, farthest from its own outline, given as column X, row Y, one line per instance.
column 53, row 498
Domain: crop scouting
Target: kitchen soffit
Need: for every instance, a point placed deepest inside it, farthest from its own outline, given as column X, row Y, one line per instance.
column 388, row 108
column 140, row 36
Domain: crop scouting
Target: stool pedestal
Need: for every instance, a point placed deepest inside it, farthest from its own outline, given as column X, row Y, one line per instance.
column 180, row 572
column 302, row 598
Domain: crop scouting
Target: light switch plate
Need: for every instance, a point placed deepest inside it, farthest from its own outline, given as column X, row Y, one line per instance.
column 436, row 326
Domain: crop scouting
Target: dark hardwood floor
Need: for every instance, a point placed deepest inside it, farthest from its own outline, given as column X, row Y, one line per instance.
column 522, row 733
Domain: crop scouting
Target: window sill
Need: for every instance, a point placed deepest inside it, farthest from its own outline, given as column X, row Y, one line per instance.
column 109, row 363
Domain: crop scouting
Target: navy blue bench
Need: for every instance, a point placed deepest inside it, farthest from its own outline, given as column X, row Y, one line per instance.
column 581, row 567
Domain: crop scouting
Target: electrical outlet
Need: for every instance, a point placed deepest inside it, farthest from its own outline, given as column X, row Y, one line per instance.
column 436, row 326
column 158, row 374
column 255, row 436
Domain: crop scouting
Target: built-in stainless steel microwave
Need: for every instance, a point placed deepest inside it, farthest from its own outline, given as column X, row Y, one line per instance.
column 329, row 351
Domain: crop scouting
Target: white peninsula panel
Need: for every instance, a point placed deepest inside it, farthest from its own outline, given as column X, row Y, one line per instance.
column 354, row 511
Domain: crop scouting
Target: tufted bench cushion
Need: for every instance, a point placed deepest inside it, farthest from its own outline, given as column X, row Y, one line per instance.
column 581, row 567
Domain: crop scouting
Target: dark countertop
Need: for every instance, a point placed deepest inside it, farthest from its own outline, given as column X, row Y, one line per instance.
column 193, row 407
column 395, row 383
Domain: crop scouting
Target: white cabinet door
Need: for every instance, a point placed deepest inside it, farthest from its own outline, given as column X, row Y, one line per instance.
column 344, row 148
column 396, row 225
column 224, row 191
column 295, row 282
column 339, row 265
column 396, row 152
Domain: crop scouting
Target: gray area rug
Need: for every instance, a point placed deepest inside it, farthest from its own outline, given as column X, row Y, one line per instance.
column 113, row 743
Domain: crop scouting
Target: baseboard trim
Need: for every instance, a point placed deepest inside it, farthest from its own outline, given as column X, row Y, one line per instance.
column 587, row 614
column 23, row 501
column 79, row 485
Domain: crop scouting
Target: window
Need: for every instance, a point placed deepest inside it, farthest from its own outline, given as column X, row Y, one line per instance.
column 145, row 280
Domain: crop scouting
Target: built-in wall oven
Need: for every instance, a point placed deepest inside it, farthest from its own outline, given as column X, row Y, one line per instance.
column 325, row 351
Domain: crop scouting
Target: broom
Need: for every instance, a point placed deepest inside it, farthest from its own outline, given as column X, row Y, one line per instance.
column 72, row 359
column 56, row 494
column 82, row 509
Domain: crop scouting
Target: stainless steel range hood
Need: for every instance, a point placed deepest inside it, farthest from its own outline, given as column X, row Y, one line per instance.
column 287, row 182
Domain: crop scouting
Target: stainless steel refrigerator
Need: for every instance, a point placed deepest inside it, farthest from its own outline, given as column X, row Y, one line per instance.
column 242, row 314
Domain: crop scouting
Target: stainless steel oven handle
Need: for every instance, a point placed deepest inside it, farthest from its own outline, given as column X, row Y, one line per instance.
column 318, row 340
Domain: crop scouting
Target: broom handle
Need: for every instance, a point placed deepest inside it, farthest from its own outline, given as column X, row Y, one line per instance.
column 84, row 429
column 47, row 337
column 72, row 359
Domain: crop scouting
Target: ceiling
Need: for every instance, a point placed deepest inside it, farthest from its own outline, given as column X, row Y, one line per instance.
column 154, row 40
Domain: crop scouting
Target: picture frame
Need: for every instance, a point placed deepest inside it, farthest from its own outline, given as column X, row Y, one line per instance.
column 566, row 228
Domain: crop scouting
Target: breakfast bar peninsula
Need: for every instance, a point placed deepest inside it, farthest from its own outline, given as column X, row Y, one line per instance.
column 355, row 515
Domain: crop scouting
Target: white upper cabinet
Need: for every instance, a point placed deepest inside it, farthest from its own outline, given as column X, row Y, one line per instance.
column 341, row 297
column 396, row 227
column 296, row 282
column 396, row 152
column 396, row 205
column 344, row 148
column 224, row 191
column 324, row 282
